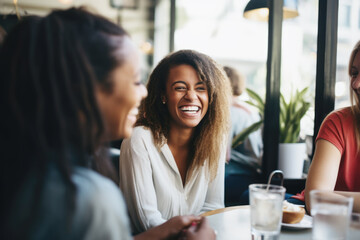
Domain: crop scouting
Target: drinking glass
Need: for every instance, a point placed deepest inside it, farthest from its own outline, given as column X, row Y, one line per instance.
column 331, row 215
column 266, row 203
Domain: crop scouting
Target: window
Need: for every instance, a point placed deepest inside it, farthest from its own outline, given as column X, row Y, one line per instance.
column 348, row 35
column 218, row 29
column 344, row 15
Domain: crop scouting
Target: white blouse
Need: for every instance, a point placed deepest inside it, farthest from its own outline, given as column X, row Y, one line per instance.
column 152, row 185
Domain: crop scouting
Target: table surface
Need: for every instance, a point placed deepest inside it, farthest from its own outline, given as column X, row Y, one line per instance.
column 234, row 223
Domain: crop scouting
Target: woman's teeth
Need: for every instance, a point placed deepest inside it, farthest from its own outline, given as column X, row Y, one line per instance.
column 134, row 111
column 190, row 109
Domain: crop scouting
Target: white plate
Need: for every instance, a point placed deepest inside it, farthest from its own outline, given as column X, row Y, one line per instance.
column 305, row 223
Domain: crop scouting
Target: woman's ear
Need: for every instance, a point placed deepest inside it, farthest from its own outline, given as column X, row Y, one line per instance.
column 163, row 99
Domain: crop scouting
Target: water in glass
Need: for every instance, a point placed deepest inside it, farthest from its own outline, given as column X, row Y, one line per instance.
column 330, row 221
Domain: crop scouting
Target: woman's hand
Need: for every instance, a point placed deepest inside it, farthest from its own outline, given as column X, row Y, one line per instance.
column 176, row 227
column 199, row 231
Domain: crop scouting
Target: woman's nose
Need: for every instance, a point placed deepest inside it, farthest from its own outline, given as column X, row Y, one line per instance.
column 144, row 92
column 356, row 82
column 191, row 95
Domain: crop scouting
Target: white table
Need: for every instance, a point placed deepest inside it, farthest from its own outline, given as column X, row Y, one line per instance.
column 234, row 223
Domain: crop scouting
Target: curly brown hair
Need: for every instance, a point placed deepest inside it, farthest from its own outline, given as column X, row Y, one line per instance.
column 210, row 135
column 354, row 98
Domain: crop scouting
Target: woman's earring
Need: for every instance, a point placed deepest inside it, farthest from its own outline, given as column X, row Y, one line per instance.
column 163, row 100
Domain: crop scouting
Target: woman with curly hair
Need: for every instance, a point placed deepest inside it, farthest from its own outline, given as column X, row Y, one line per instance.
column 336, row 162
column 174, row 162
column 69, row 84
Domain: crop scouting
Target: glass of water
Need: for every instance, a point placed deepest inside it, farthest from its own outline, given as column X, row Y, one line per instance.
column 266, row 203
column 331, row 215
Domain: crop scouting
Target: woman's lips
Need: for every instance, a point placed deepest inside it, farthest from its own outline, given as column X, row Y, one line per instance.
column 133, row 114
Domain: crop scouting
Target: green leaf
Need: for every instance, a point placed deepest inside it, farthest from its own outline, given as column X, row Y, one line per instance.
column 239, row 138
column 282, row 110
column 259, row 102
column 257, row 106
column 291, row 113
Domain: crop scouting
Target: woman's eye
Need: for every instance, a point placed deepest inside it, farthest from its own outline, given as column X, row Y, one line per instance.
column 180, row 88
column 138, row 83
column 354, row 72
column 201, row 88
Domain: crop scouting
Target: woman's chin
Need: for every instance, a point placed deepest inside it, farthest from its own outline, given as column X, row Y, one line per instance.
column 128, row 129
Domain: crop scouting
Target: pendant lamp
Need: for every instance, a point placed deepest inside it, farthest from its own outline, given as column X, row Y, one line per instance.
column 259, row 10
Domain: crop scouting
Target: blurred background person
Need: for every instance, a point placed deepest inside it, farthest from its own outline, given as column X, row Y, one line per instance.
column 173, row 164
column 69, row 84
column 244, row 161
column 336, row 162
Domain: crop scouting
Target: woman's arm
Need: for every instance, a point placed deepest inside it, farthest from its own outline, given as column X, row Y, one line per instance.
column 136, row 183
column 355, row 195
column 324, row 169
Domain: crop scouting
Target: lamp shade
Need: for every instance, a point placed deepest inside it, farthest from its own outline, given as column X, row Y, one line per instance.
column 259, row 10
column 124, row 4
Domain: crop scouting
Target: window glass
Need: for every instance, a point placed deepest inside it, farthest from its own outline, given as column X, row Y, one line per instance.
column 162, row 31
column 344, row 15
column 218, row 29
column 347, row 38
column 299, row 55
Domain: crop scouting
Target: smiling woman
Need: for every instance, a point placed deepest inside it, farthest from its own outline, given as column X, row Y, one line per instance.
column 336, row 162
column 121, row 106
column 60, row 75
column 173, row 164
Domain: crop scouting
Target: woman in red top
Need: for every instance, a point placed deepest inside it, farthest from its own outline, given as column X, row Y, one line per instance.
column 336, row 162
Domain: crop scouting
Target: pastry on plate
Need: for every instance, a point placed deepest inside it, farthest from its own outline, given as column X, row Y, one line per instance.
column 292, row 213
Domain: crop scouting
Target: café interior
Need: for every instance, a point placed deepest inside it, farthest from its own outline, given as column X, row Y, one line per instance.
column 308, row 47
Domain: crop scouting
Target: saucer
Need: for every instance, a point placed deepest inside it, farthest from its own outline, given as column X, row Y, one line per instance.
column 305, row 223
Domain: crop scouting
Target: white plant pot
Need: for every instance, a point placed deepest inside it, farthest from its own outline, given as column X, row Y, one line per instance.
column 291, row 159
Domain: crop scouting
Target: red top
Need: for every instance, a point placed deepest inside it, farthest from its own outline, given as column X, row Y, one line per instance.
column 338, row 129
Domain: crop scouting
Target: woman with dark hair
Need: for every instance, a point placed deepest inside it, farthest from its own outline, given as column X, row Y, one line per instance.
column 174, row 162
column 336, row 162
column 69, row 84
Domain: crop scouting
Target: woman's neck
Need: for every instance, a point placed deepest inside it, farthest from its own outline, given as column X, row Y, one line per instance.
column 178, row 142
column 180, row 138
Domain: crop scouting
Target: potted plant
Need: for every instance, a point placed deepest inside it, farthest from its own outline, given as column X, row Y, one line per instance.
column 291, row 152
